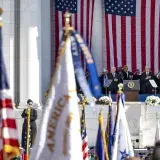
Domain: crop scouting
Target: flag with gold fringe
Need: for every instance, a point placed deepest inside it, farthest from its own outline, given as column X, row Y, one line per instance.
column 109, row 130
column 59, row 136
column 101, row 147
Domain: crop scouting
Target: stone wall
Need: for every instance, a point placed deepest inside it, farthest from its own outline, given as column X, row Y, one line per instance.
column 141, row 121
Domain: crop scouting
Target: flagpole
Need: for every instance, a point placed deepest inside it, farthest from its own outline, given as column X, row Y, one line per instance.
column 1, row 11
column 119, row 92
column 100, row 118
column 108, row 125
column 28, row 131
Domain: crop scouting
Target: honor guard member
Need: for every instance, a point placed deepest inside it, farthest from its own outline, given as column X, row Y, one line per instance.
column 32, row 128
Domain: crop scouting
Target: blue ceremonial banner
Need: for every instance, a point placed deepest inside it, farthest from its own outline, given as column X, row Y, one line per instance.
column 79, row 70
column 94, row 80
column 99, row 145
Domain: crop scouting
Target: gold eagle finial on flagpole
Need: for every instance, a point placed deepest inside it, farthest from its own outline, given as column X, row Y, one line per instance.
column 67, row 27
column 120, row 88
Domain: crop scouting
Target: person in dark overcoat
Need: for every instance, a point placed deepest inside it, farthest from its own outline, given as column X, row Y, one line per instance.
column 127, row 74
column 33, row 126
column 113, row 88
column 146, row 87
column 137, row 75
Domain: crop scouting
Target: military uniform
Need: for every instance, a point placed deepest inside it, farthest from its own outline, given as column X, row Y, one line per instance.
column 33, row 128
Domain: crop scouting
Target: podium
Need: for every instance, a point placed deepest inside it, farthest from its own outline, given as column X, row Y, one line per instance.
column 131, row 90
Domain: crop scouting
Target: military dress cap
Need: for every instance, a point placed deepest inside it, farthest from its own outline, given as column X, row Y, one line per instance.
column 29, row 101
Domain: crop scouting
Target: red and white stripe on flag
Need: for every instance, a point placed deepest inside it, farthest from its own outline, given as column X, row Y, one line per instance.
column 9, row 144
column 82, row 22
column 134, row 40
column 85, row 148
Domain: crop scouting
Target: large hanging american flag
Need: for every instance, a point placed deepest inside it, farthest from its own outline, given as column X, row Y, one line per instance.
column 132, row 34
column 9, row 145
column 84, row 136
column 81, row 20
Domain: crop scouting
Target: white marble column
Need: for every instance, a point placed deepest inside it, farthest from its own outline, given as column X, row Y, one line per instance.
column 46, row 47
column 98, row 37
column 30, row 51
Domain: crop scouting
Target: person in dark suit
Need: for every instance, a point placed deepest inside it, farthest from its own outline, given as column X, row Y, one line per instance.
column 137, row 75
column 127, row 74
column 115, row 81
column 33, row 126
column 120, row 73
column 157, row 80
column 103, row 81
column 145, row 85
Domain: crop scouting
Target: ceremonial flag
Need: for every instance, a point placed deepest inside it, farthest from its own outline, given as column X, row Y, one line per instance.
column 109, row 131
column 84, row 136
column 24, row 156
column 122, row 147
column 81, row 20
column 157, row 137
column 101, row 147
column 59, row 136
column 9, row 145
column 132, row 34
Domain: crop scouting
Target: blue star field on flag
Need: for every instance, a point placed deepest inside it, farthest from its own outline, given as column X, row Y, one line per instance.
column 121, row 7
column 66, row 5
column 124, row 155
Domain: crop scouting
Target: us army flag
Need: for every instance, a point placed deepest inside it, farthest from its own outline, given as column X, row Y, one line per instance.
column 59, row 134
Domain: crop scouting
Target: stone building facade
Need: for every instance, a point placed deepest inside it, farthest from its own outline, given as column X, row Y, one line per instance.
column 28, row 46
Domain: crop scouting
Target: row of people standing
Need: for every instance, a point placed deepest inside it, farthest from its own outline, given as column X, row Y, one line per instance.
column 117, row 76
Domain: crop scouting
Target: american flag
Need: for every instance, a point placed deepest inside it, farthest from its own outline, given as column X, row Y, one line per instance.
column 132, row 34
column 24, row 155
column 84, row 136
column 9, row 145
column 81, row 20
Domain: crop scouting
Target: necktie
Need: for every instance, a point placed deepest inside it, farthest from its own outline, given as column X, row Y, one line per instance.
column 104, row 81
